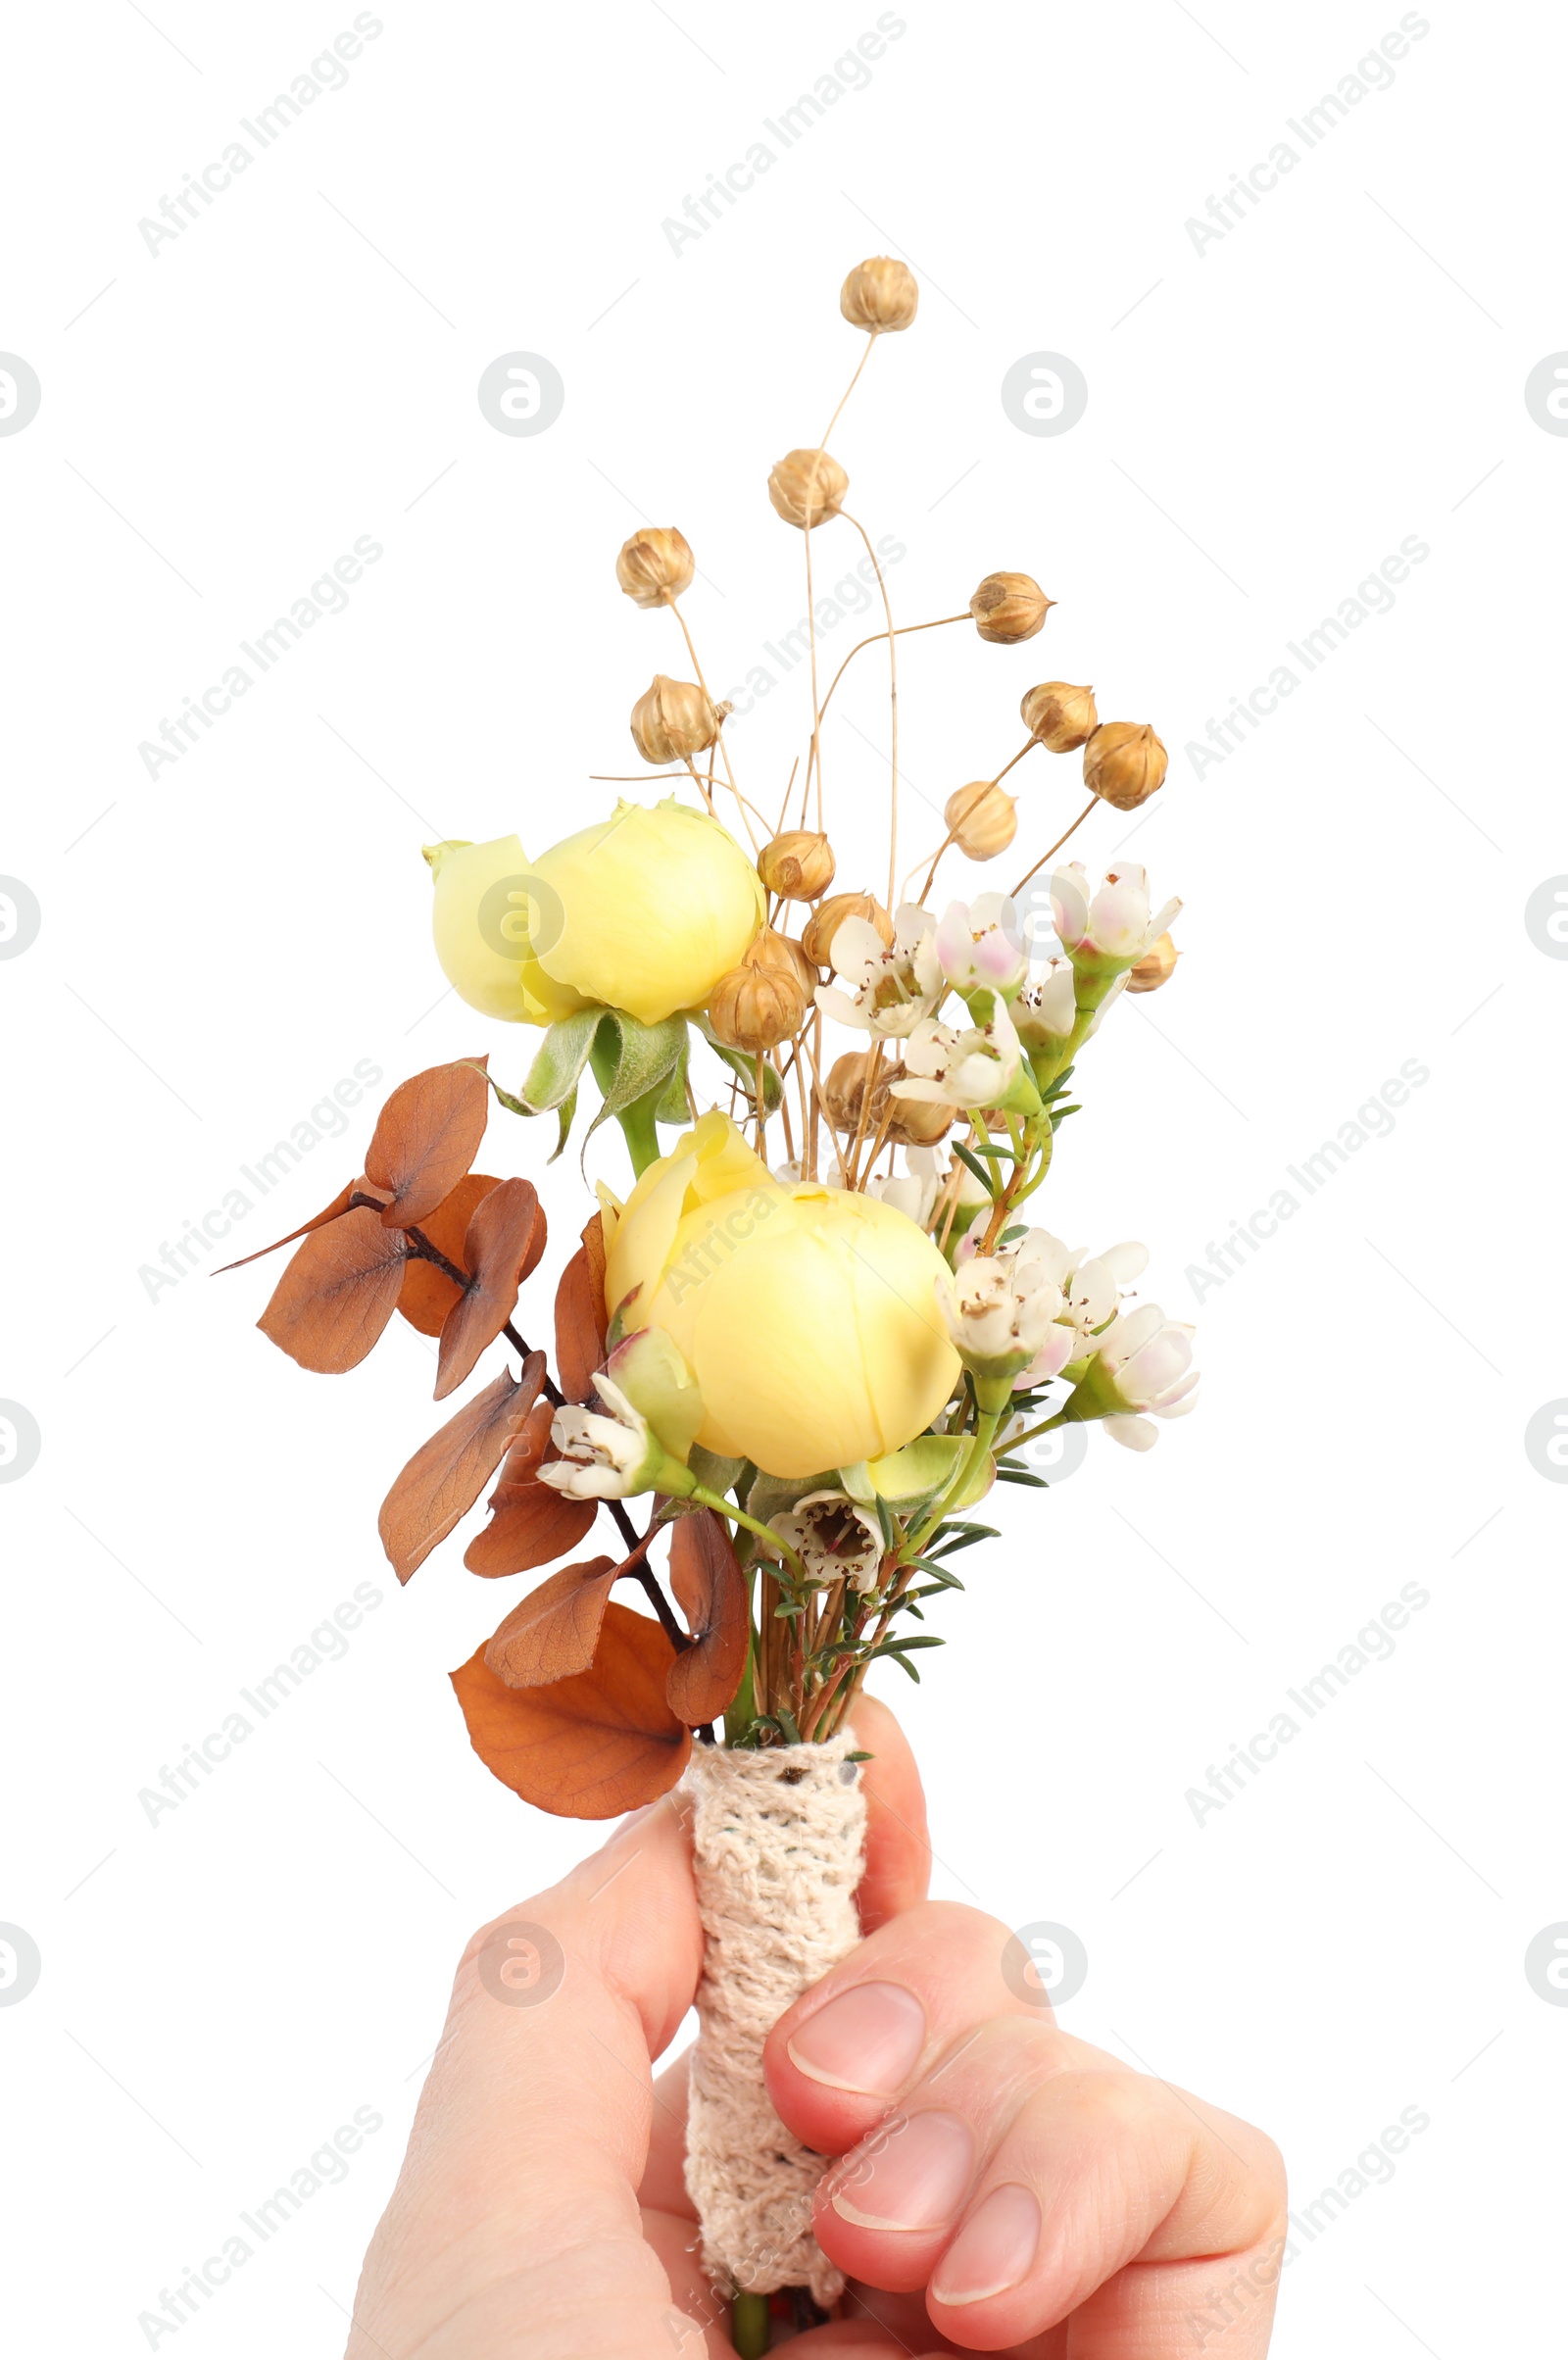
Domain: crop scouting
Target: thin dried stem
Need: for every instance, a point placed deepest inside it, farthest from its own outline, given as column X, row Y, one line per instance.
column 816, row 753
column 873, row 1072
column 702, row 787
column 893, row 703
column 903, row 632
column 1056, row 847
column 981, row 788
column 746, row 808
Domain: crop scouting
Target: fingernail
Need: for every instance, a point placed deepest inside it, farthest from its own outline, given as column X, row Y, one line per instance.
column 867, row 2041
column 911, row 2177
column 993, row 2249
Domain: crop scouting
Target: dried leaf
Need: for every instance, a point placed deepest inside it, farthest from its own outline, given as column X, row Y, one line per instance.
column 505, row 1238
column 428, row 1295
column 318, row 1220
column 530, row 1523
column 338, row 1293
column 589, row 1747
column 446, row 1475
column 711, row 1591
column 555, row 1631
column 427, row 1136
column 580, row 1321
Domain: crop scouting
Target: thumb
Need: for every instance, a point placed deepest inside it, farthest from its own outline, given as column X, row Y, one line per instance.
column 533, row 2124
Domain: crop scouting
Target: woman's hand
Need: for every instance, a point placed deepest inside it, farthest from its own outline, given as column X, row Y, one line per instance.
column 1002, row 2187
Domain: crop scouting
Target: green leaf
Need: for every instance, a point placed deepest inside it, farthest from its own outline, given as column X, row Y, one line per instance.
column 1036, row 1483
column 744, row 1067
column 884, row 1517
column 975, row 1166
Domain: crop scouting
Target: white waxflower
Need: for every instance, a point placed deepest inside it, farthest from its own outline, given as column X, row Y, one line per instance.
column 835, row 1540
column 601, row 1457
column 961, row 1066
column 1045, row 1015
column 979, row 947
column 1004, row 1312
column 891, row 989
column 915, row 1192
column 1143, row 1363
column 1107, row 931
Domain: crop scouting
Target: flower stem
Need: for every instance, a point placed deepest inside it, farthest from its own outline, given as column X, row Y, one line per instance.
column 737, row 1515
column 752, row 2326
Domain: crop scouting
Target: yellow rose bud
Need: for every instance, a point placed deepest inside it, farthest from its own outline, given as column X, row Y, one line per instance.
column 1008, row 607
column 804, row 477
column 655, row 565
column 1157, row 966
column 673, row 720
column 798, row 866
column 829, row 916
column 982, row 818
column 880, row 295
column 1060, row 715
column 1124, row 764
column 644, row 912
column 807, row 1316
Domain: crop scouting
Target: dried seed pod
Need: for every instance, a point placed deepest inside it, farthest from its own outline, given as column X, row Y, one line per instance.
column 655, row 565
column 756, row 1007
column 1008, row 607
column 879, row 295
column 807, row 478
column 1124, row 764
column 1060, row 715
column 829, row 916
column 982, row 818
column 798, row 866
column 673, row 720
column 912, row 1122
column 781, row 955
column 1157, row 966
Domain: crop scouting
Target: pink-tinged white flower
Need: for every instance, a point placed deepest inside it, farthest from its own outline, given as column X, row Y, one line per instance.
column 655, row 1410
column 913, row 1193
column 893, row 988
column 961, row 1066
column 1004, row 1312
column 835, row 1540
column 979, row 947
column 1143, row 1363
column 1109, row 930
column 1045, row 1015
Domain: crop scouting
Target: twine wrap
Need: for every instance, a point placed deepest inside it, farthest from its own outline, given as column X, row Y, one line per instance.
column 780, row 1839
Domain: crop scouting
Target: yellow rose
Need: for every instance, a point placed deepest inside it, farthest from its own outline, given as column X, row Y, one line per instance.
column 806, row 1314
column 644, row 912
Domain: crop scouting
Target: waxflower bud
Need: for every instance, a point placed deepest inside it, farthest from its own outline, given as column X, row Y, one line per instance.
column 982, row 819
column 1157, row 966
column 655, row 565
column 1060, row 715
column 1124, row 763
column 808, row 487
column 798, row 866
column 827, row 917
column 879, row 295
column 757, row 1004
column 1008, row 607
column 673, row 720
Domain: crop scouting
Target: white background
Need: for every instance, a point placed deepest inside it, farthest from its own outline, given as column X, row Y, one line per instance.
column 1268, row 418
